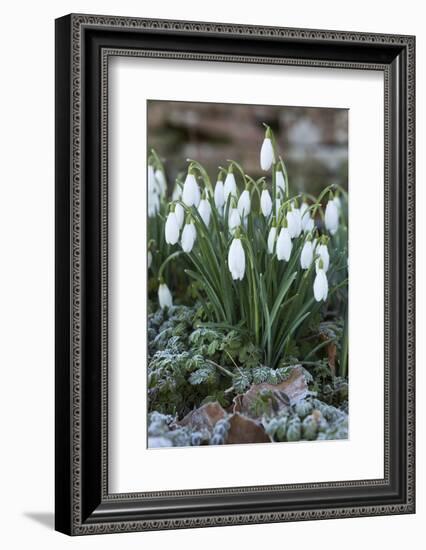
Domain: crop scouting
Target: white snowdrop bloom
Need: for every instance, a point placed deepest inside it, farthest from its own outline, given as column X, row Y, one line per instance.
column 308, row 223
column 236, row 260
column 180, row 214
column 320, row 285
column 284, row 244
column 164, row 296
column 172, row 229
column 331, row 217
column 266, row 203
column 234, row 219
column 271, row 239
column 153, row 204
column 149, row 258
column 191, row 191
column 307, row 255
column 152, row 181
column 177, row 193
column 294, row 221
column 230, row 186
column 266, row 154
column 204, row 209
column 161, row 180
column 280, row 181
column 189, row 234
column 219, row 194
column 244, row 204
column 322, row 252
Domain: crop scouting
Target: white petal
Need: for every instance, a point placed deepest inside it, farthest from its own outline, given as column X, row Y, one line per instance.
column 164, row 296
column 189, row 235
column 219, row 197
column 271, row 239
column 322, row 251
column 266, row 154
column 331, row 217
column 307, row 255
column 284, row 245
column 244, row 205
column 280, row 181
column 266, row 203
column 162, row 183
column 320, row 286
column 180, row 214
column 234, row 219
column 204, row 210
column 172, row 229
column 191, row 191
column 236, row 260
column 230, row 186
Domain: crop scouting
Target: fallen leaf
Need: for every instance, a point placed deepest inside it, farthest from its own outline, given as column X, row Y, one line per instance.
column 245, row 430
column 203, row 418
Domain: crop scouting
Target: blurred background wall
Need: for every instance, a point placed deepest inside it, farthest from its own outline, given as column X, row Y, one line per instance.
column 312, row 141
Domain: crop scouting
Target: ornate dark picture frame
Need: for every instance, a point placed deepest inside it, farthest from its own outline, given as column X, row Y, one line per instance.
column 84, row 44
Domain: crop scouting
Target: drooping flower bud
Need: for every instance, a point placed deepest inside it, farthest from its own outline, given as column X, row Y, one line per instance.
column 307, row 255
column 164, row 296
column 191, row 191
column 189, row 234
column 320, row 284
column 172, row 228
column 279, row 180
column 322, row 252
column 266, row 203
column 294, row 221
column 219, row 195
column 234, row 219
column 162, row 183
column 204, row 209
column 244, row 204
column 236, row 260
column 331, row 217
column 180, row 214
column 230, row 186
column 271, row 238
column 267, row 156
column 284, row 244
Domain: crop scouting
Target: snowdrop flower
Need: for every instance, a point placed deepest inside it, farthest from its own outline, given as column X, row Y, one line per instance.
column 244, row 204
column 284, row 244
column 267, row 151
column 294, row 221
column 219, row 194
column 307, row 221
column 152, row 182
column 180, row 214
column 307, row 255
column 331, row 217
column 322, row 252
column 164, row 296
column 234, row 219
column 153, row 204
column 236, row 260
column 204, row 209
column 266, row 203
column 338, row 202
column 320, row 284
column 191, row 191
column 279, row 180
column 161, row 180
column 230, row 186
column 189, row 234
column 172, row 228
column 271, row 239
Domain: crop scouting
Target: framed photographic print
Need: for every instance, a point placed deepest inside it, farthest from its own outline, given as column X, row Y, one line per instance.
column 234, row 274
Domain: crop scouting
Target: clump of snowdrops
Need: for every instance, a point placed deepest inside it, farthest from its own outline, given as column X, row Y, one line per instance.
column 263, row 260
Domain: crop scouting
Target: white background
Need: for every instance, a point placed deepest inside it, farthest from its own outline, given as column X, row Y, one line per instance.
column 360, row 457
column 26, row 301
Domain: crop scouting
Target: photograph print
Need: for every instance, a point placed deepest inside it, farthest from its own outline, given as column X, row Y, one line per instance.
column 247, row 274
